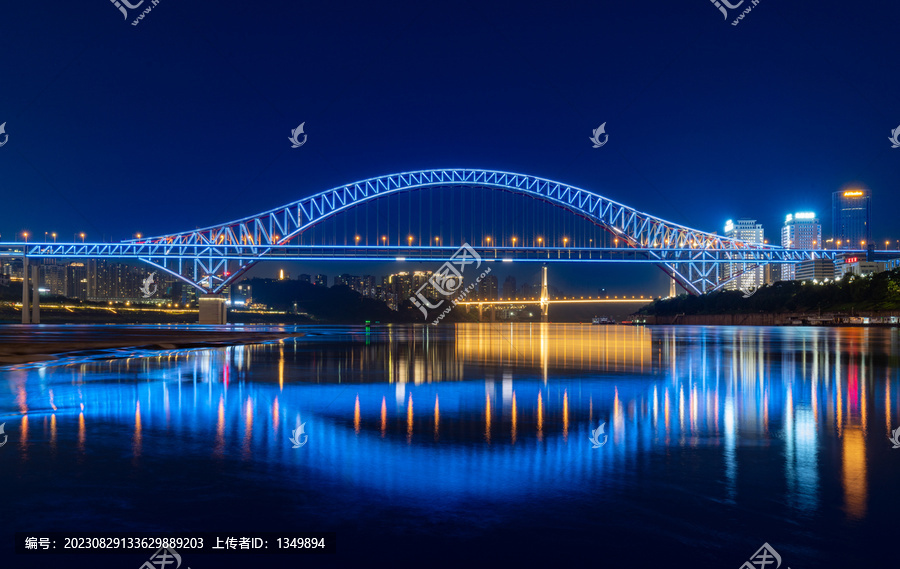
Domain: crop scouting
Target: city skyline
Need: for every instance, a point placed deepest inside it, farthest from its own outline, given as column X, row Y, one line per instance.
column 653, row 283
column 445, row 281
column 685, row 175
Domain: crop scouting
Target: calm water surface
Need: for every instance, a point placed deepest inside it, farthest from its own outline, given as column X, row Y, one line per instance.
column 434, row 446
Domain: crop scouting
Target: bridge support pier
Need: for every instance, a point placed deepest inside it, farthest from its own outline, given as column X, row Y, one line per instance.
column 35, row 294
column 212, row 309
column 26, row 310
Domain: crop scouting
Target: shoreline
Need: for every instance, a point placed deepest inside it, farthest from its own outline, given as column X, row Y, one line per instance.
column 17, row 346
column 775, row 319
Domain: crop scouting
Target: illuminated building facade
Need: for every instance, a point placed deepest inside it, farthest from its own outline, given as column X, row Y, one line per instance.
column 369, row 288
column 851, row 212
column 77, row 281
column 859, row 266
column 53, row 277
column 815, row 270
column 399, row 287
column 745, row 230
column 801, row 230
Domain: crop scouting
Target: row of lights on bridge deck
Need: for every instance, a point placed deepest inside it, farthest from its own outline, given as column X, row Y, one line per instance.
column 26, row 235
column 540, row 241
column 487, row 240
column 54, row 235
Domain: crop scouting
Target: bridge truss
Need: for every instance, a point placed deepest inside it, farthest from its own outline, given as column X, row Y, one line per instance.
column 212, row 257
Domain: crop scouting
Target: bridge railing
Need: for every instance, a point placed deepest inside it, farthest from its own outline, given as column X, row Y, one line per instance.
column 288, row 252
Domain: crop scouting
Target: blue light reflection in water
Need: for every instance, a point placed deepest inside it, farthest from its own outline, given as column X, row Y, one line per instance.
column 786, row 423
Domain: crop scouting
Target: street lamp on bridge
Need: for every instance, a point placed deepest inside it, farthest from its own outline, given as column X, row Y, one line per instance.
column 25, row 234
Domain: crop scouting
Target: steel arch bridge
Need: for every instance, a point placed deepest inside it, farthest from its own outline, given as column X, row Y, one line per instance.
column 213, row 257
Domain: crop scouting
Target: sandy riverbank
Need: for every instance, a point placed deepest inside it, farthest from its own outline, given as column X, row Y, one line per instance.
column 23, row 344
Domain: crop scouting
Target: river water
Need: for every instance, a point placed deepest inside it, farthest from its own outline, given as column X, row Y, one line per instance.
column 471, row 444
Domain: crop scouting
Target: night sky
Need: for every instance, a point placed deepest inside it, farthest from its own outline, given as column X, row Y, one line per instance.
column 182, row 121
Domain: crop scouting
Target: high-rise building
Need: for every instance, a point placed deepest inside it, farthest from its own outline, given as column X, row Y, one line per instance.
column 321, row 280
column 527, row 291
column 11, row 267
column 354, row 282
column 851, row 210
column 344, row 280
column 304, row 278
column 108, row 280
column 509, row 287
column 801, row 230
column 369, row 289
column 77, row 281
column 750, row 277
column 6, row 266
column 399, row 287
column 53, row 276
column 487, row 288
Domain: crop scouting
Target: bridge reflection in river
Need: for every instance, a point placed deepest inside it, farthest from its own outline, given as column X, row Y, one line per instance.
column 501, row 412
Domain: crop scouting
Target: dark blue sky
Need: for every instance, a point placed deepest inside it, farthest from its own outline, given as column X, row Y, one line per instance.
column 182, row 121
